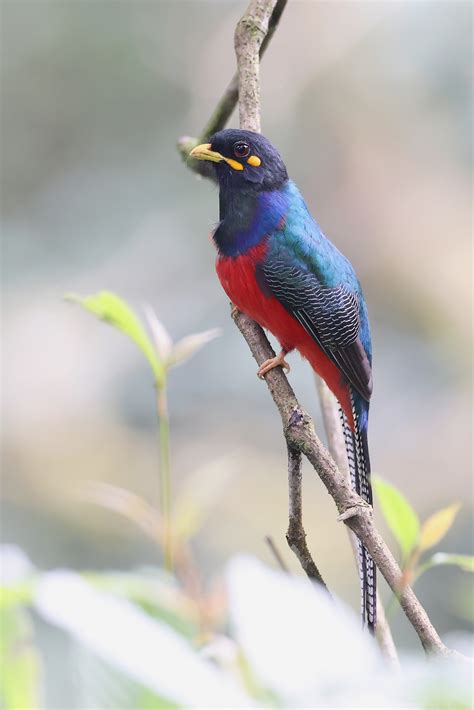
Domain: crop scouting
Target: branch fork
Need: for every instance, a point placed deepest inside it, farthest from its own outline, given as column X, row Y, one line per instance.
column 362, row 508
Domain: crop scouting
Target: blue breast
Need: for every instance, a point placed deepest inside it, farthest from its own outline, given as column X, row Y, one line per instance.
column 248, row 218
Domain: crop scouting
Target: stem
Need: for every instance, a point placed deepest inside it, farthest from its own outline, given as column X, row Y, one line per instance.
column 165, row 472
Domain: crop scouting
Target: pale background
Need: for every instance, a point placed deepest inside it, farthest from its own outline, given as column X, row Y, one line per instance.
column 370, row 105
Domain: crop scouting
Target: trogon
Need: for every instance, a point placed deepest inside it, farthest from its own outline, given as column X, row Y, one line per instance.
column 277, row 266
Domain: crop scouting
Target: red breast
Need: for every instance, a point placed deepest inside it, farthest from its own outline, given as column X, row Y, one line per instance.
column 238, row 278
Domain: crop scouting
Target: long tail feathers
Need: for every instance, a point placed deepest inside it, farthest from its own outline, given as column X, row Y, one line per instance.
column 359, row 468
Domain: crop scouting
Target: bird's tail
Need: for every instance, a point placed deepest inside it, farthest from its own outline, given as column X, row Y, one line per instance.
column 359, row 468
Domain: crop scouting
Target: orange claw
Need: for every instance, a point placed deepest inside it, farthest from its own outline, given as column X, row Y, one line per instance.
column 278, row 361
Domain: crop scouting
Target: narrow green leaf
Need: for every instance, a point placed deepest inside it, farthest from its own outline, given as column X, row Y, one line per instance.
column 437, row 525
column 399, row 515
column 465, row 562
column 113, row 310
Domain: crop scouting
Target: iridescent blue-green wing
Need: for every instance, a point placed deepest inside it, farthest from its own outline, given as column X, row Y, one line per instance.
column 331, row 315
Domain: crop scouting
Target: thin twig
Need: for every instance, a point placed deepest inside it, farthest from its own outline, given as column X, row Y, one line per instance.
column 296, row 535
column 337, row 448
column 165, row 473
column 249, row 35
column 276, row 553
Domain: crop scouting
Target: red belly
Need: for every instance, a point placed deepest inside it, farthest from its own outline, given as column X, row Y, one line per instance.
column 237, row 276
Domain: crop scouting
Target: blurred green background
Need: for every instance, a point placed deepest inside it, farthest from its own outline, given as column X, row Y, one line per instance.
column 369, row 104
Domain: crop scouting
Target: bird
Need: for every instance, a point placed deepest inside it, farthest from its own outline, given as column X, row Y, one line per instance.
column 276, row 265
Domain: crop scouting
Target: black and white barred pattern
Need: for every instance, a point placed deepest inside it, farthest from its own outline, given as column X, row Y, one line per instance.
column 359, row 468
column 329, row 314
column 334, row 310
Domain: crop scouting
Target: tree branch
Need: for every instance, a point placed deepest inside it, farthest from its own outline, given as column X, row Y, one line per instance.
column 276, row 553
column 296, row 536
column 300, row 435
column 250, row 35
column 297, row 426
column 228, row 100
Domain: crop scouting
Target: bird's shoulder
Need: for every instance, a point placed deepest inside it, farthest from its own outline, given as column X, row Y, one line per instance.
column 303, row 267
column 300, row 242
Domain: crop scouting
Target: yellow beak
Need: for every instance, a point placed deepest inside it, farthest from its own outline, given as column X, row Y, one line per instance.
column 204, row 152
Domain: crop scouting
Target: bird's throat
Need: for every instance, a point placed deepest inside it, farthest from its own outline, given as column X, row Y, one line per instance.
column 246, row 218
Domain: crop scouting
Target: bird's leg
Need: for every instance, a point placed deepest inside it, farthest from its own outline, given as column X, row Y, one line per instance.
column 278, row 361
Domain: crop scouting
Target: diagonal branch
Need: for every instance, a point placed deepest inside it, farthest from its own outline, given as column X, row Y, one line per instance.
column 299, row 434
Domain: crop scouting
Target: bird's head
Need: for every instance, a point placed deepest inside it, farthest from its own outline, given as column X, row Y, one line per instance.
column 243, row 159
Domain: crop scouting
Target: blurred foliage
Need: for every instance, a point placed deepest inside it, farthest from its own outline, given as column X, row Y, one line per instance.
column 413, row 537
column 113, row 310
column 20, row 673
column 136, row 645
column 162, row 355
column 400, row 516
column 149, row 630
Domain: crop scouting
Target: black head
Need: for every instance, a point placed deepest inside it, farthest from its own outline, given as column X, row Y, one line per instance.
column 243, row 159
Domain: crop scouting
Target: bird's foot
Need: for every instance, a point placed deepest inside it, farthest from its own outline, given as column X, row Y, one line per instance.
column 278, row 361
column 234, row 311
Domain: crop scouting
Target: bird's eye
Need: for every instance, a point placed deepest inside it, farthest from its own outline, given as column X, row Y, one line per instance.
column 241, row 149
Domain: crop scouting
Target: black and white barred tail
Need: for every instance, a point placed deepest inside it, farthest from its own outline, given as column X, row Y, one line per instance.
column 359, row 468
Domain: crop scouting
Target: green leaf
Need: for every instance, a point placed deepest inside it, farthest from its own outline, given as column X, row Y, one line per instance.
column 113, row 310
column 399, row 515
column 465, row 562
column 437, row 525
